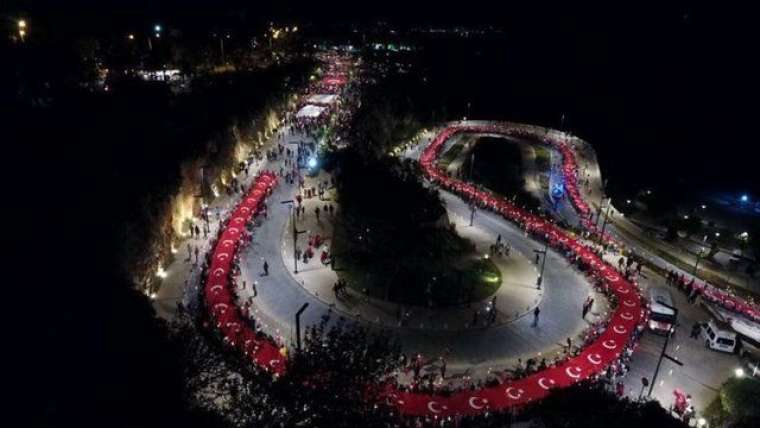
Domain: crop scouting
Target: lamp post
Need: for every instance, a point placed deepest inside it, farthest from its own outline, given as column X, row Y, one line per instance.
column 22, row 29
column 606, row 217
column 298, row 325
column 296, row 232
column 540, row 278
column 664, row 347
column 599, row 210
column 157, row 33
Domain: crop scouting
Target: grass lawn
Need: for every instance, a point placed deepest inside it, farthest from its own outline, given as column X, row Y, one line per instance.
column 446, row 158
column 455, row 274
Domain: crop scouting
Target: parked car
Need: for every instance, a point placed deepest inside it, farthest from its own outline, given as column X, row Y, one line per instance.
column 719, row 336
column 661, row 317
column 749, row 353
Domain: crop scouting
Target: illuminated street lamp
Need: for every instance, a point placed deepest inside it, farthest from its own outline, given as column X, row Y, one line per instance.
column 157, row 28
column 22, row 29
column 131, row 36
column 739, row 373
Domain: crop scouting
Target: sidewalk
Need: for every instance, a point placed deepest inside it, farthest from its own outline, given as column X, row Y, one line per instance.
column 183, row 275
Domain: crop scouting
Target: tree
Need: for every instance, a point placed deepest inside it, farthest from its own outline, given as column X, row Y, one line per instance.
column 591, row 405
column 336, row 379
column 735, row 405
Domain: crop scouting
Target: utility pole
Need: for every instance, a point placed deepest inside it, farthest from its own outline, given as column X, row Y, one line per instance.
column 540, row 278
column 472, row 163
column 298, row 325
column 221, row 46
column 604, row 223
column 599, row 210
column 472, row 213
column 296, row 232
column 664, row 347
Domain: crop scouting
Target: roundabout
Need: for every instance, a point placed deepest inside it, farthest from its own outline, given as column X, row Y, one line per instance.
column 235, row 320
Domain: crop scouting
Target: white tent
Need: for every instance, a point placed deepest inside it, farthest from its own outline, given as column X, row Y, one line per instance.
column 310, row 110
column 322, row 99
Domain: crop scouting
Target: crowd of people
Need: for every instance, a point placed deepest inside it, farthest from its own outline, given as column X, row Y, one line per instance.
column 582, row 256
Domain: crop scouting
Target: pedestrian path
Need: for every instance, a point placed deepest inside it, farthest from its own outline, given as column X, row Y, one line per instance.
column 182, row 277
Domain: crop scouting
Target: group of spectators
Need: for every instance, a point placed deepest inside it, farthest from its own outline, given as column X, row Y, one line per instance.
column 249, row 396
column 674, row 279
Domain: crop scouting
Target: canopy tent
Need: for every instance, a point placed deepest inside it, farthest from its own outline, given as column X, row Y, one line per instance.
column 325, row 99
column 310, row 111
column 334, row 80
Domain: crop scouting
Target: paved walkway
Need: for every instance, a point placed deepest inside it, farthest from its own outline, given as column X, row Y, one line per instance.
column 183, row 275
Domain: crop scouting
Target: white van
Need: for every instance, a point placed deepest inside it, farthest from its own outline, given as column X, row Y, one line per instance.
column 661, row 317
column 719, row 336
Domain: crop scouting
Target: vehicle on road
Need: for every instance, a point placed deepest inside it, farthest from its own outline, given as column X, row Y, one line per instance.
column 749, row 354
column 719, row 336
column 661, row 318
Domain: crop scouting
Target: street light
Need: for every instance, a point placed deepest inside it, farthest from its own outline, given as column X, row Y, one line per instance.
column 665, row 346
column 131, row 36
column 296, row 232
column 606, row 218
column 157, row 28
column 22, row 29
column 599, row 210
column 540, row 278
column 739, row 373
column 298, row 325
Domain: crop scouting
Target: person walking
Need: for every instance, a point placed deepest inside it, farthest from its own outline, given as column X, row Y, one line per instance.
column 695, row 330
column 196, row 255
column 536, row 312
column 266, row 268
column 588, row 305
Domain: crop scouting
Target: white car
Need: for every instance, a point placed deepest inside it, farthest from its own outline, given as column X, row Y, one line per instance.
column 719, row 336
